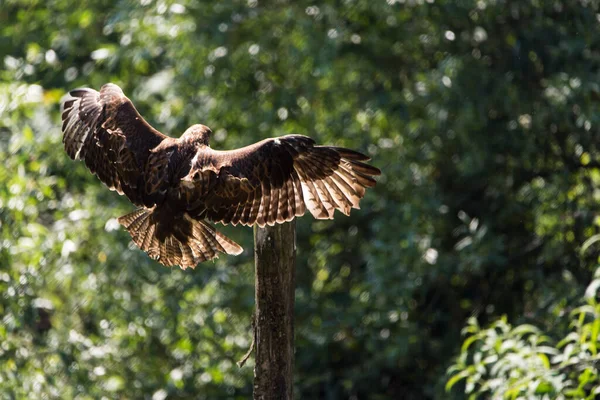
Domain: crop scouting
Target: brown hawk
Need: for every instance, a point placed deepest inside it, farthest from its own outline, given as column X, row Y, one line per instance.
column 180, row 184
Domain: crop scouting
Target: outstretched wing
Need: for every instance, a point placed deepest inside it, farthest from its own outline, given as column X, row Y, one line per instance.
column 277, row 179
column 105, row 130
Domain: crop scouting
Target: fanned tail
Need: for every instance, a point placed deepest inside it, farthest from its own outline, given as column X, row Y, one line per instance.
column 184, row 241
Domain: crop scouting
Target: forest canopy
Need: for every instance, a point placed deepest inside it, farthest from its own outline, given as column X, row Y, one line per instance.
column 470, row 270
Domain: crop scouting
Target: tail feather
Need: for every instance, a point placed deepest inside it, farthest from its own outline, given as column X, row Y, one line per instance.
column 148, row 239
column 127, row 220
column 187, row 255
column 184, row 242
column 228, row 245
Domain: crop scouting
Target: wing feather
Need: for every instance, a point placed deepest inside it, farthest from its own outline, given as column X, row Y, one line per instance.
column 291, row 198
column 278, row 179
column 273, row 207
column 105, row 130
column 265, row 203
column 299, row 206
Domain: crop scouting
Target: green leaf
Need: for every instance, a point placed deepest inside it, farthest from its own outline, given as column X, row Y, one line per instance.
column 467, row 343
column 461, row 375
column 544, row 388
column 594, row 335
column 544, row 359
column 590, row 241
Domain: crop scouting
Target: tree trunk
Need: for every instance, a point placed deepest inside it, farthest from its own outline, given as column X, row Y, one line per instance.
column 275, row 260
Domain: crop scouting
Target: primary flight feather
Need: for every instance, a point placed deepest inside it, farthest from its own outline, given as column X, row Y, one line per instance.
column 180, row 184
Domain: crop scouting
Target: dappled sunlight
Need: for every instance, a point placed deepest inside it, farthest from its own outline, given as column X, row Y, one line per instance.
column 481, row 114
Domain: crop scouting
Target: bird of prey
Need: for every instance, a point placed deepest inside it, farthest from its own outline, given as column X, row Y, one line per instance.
column 179, row 185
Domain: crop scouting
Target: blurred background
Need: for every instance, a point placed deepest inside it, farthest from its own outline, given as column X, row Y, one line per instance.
column 469, row 270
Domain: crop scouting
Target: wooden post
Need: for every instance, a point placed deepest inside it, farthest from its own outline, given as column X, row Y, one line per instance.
column 275, row 268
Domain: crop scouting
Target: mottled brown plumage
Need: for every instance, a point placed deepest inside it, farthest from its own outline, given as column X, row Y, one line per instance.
column 179, row 184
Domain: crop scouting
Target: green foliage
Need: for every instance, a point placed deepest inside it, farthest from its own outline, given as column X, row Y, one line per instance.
column 508, row 362
column 481, row 114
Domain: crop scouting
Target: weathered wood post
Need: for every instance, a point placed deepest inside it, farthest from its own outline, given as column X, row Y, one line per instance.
column 275, row 269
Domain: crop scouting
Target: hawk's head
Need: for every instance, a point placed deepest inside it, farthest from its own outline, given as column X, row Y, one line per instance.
column 197, row 134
